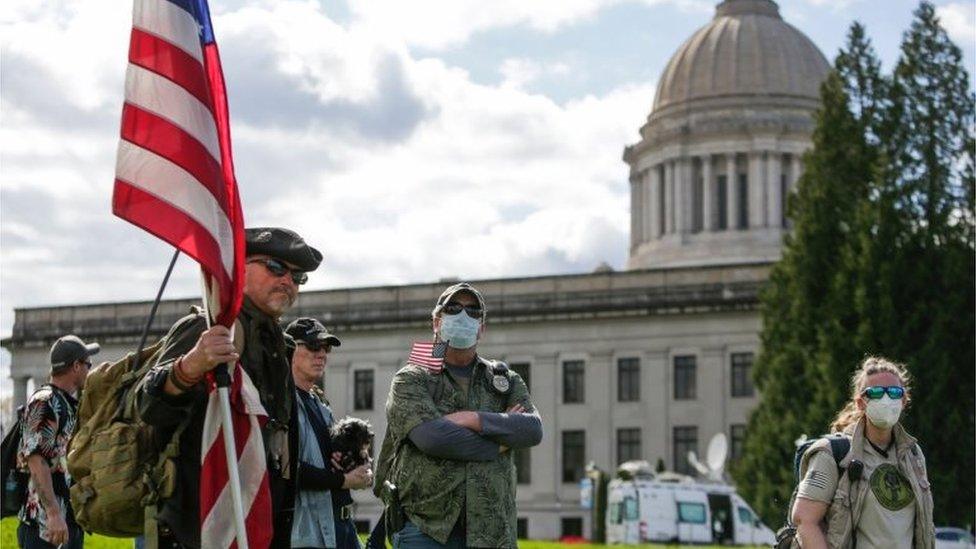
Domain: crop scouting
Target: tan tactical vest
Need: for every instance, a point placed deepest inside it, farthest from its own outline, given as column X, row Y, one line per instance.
column 839, row 522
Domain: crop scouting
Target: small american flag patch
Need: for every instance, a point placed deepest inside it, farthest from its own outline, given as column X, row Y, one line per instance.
column 816, row 479
column 428, row 354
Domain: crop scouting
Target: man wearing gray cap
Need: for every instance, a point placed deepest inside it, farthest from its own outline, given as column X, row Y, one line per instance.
column 450, row 427
column 48, row 422
column 172, row 396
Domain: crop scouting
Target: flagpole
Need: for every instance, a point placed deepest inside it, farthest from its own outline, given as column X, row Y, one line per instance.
column 152, row 310
column 222, row 377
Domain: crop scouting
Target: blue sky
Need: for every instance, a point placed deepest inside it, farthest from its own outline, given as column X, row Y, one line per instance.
column 410, row 141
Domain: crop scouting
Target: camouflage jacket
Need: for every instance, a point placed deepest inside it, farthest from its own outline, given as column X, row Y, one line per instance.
column 433, row 491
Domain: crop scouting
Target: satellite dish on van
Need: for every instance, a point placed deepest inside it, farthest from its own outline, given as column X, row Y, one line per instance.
column 718, row 450
column 699, row 466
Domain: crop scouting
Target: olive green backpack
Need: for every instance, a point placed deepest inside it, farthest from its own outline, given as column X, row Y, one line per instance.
column 119, row 473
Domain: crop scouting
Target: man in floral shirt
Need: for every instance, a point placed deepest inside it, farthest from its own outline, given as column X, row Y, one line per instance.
column 46, row 519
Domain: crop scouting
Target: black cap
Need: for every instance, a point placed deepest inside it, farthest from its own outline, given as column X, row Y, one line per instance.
column 70, row 348
column 451, row 291
column 309, row 330
column 282, row 244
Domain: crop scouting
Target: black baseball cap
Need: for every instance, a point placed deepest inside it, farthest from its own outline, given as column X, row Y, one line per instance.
column 309, row 330
column 451, row 291
column 70, row 348
column 282, row 244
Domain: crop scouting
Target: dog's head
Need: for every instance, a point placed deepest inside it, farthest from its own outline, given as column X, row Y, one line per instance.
column 353, row 437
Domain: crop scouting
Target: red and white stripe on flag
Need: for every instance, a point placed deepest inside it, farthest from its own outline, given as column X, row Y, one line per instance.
column 428, row 354
column 174, row 174
column 217, row 528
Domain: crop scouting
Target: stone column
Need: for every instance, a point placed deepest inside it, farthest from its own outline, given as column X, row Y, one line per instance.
column 774, row 186
column 708, row 194
column 669, row 197
column 731, row 184
column 682, row 193
column 757, row 214
column 655, row 205
column 648, row 213
column 20, row 391
column 635, row 208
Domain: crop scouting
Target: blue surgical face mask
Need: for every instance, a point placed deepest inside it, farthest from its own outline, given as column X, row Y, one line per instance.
column 460, row 331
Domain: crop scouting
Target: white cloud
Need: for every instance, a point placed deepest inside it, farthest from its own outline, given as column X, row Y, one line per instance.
column 519, row 72
column 959, row 20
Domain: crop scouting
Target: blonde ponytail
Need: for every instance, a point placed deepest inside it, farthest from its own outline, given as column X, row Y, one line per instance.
column 849, row 414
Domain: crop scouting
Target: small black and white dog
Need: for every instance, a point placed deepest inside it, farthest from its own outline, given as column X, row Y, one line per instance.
column 352, row 437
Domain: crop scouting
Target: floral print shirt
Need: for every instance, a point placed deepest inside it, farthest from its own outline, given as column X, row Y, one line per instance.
column 48, row 422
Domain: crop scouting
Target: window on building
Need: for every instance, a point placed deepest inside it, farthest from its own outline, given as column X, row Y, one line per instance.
column 523, row 369
column 737, row 435
column 661, row 204
column 628, row 379
column 722, row 202
column 363, row 385
column 522, row 528
column 574, row 452
column 684, row 377
column 523, row 466
column 784, row 194
column 685, row 440
column 742, row 375
column 571, row 526
column 628, row 444
column 573, row 382
column 742, row 197
column 698, row 205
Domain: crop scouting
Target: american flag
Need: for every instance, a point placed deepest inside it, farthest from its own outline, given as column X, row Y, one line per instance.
column 428, row 354
column 174, row 174
column 175, row 178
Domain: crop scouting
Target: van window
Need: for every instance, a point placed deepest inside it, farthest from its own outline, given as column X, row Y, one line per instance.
column 630, row 508
column 745, row 515
column 615, row 513
column 691, row 512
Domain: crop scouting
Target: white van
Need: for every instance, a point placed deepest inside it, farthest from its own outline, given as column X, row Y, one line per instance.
column 674, row 508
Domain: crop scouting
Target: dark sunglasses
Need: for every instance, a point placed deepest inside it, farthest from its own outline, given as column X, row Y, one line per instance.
column 453, row 308
column 315, row 347
column 874, row 393
column 279, row 269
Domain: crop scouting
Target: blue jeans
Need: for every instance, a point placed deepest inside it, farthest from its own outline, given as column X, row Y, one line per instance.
column 410, row 537
column 346, row 536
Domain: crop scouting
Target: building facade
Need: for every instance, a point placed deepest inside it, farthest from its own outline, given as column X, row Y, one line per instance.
column 646, row 363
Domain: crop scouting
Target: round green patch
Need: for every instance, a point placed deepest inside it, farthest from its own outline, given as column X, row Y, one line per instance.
column 892, row 489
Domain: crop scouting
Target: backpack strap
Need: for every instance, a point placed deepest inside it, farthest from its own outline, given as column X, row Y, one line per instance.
column 840, row 445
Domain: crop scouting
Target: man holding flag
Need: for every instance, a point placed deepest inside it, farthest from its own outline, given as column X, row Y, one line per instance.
column 276, row 264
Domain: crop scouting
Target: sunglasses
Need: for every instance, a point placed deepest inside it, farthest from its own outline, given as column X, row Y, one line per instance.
column 874, row 393
column 453, row 308
column 279, row 269
column 315, row 347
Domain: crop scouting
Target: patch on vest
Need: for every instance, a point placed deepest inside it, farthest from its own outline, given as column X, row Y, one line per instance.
column 891, row 487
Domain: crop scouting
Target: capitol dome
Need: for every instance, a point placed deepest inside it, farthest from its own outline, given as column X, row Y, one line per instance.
column 746, row 50
column 721, row 149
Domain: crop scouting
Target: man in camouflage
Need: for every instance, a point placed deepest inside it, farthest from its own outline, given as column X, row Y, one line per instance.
column 450, row 429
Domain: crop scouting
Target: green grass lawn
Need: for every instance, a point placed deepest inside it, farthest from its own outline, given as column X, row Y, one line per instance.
column 8, row 540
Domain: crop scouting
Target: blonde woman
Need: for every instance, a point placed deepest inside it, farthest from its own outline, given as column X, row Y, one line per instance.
column 878, row 495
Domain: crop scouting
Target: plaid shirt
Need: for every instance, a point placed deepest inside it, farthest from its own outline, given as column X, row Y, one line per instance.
column 49, row 420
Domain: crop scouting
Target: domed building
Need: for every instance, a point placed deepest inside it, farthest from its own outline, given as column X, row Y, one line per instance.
column 647, row 363
column 721, row 147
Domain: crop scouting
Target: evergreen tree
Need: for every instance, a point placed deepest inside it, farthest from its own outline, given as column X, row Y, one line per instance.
column 916, row 267
column 881, row 261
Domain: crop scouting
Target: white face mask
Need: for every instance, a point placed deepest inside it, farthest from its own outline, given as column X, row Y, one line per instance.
column 884, row 412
